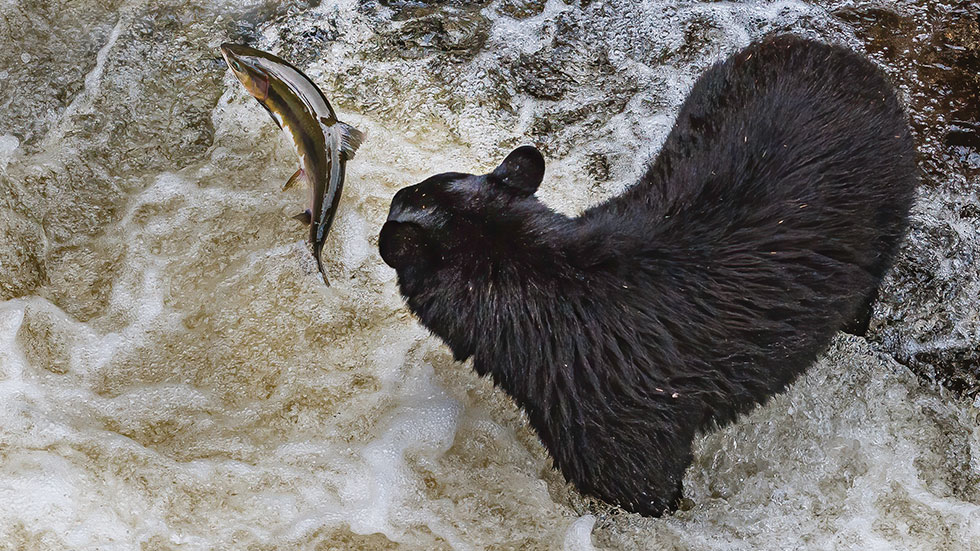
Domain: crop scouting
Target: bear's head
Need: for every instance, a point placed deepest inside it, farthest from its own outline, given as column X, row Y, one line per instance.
column 454, row 235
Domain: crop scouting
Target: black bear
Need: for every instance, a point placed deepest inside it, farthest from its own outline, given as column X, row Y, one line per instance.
column 764, row 226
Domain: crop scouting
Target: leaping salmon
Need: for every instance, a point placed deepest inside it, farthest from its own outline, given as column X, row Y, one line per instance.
column 323, row 143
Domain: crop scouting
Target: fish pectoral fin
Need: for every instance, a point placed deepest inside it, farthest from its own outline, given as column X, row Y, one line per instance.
column 305, row 217
column 350, row 139
column 297, row 176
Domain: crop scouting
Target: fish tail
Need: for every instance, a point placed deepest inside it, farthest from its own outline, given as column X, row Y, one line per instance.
column 350, row 139
column 319, row 264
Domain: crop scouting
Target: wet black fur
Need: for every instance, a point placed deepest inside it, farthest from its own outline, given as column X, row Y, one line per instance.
column 764, row 226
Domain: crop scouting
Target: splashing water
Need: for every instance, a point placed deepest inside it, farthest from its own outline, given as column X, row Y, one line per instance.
column 174, row 375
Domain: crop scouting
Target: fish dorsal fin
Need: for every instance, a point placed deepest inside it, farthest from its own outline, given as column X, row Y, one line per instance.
column 350, row 137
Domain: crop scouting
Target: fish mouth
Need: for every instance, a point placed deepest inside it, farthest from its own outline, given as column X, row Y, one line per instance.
column 228, row 52
column 231, row 50
column 231, row 58
column 236, row 50
column 255, row 81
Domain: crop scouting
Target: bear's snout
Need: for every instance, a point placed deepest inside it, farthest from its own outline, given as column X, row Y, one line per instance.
column 402, row 244
column 402, row 240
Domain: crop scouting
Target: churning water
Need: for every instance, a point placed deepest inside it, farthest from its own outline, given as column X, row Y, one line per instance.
column 174, row 375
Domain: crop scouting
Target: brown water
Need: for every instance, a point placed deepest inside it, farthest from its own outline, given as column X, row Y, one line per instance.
column 174, row 375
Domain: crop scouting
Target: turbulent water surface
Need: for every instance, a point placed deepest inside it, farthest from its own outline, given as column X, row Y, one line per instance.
column 174, row 374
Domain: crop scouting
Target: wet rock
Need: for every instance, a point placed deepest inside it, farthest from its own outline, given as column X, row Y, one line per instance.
column 45, row 342
column 564, row 126
column 22, row 268
column 412, row 9
column 62, row 37
column 934, row 53
column 964, row 133
column 541, row 76
column 168, row 123
column 183, row 361
column 248, row 24
column 701, row 34
column 80, row 277
column 598, row 167
column 928, row 310
column 459, row 33
column 957, row 367
column 521, row 9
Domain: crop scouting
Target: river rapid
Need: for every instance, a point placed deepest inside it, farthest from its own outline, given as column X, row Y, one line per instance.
column 175, row 376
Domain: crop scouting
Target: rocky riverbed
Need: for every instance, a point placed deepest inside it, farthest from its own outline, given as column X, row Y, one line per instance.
column 174, row 375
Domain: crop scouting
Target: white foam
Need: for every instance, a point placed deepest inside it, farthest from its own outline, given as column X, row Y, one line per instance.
column 425, row 423
column 8, row 147
column 579, row 535
column 45, row 491
column 218, row 397
column 12, row 360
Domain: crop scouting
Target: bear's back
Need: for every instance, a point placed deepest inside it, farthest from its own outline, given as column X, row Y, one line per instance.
column 766, row 222
column 787, row 141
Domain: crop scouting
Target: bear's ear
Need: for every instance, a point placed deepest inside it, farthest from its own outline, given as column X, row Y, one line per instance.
column 522, row 170
column 403, row 244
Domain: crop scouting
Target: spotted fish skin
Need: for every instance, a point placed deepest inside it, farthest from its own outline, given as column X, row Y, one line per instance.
column 322, row 143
